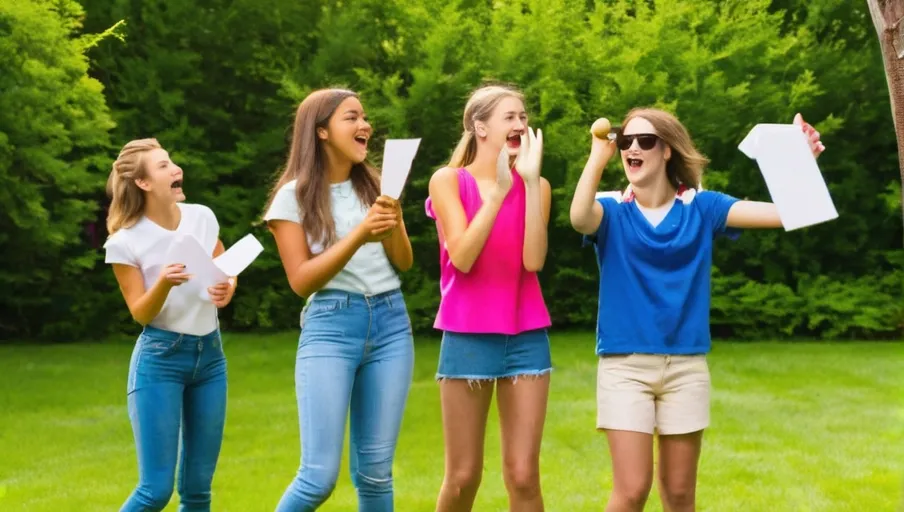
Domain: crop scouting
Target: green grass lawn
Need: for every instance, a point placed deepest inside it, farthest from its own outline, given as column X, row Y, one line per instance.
column 795, row 427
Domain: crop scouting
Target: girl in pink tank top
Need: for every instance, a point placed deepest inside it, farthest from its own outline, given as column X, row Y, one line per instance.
column 491, row 220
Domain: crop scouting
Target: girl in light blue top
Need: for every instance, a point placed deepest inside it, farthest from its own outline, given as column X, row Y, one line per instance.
column 341, row 247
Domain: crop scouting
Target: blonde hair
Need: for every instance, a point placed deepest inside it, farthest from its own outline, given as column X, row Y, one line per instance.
column 127, row 204
column 479, row 108
column 687, row 163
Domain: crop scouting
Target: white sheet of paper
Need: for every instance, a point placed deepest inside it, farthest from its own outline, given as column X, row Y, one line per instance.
column 206, row 271
column 186, row 250
column 792, row 176
column 398, row 156
column 239, row 256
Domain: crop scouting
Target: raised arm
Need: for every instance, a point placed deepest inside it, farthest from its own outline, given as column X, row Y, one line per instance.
column 538, row 197
column 308, row 274
column 536, row 243
column 586, row 213
column 464, row 241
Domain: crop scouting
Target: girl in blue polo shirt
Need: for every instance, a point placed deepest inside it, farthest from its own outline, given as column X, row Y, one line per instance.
column 654, row 250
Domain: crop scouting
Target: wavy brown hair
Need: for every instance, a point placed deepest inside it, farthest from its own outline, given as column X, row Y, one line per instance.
column 687, row 163
column 307, row 163
column 127, row 199
column 479, row 107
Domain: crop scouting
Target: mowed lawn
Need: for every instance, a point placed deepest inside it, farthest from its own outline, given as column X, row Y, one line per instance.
column 796, row 427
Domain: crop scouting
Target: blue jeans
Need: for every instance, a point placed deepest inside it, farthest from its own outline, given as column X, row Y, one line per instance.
column 355, row 352
column 176, row 380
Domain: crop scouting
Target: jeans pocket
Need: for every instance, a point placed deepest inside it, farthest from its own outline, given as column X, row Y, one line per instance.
column 159, row 347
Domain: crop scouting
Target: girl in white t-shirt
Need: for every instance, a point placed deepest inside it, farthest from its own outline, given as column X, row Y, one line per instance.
column 177, row 376
column 337, row 238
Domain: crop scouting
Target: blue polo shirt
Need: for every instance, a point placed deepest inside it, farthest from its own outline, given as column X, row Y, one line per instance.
column 654, row 287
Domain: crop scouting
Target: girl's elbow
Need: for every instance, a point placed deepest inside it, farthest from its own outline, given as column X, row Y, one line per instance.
column 140, row 318
column 578, row 219
column 405, row 266
column 533, row 265
column 300, row 288
column 461, row 266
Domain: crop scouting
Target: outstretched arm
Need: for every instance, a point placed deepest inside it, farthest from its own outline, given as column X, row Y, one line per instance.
column 757, row 214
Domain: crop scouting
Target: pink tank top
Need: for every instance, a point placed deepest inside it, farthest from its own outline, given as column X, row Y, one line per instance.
column 498, row 295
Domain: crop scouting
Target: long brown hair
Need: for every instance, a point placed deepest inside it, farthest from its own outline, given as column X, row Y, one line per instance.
column 687, row 163
column 478, row 108
column 307, row 163
column 127, row 199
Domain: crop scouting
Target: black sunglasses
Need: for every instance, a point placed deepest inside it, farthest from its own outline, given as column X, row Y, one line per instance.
column 646, row 141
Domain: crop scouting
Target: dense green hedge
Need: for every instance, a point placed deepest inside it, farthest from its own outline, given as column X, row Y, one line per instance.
column 217, row 82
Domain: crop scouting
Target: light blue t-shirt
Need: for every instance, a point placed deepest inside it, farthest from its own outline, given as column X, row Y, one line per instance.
column 654, row 287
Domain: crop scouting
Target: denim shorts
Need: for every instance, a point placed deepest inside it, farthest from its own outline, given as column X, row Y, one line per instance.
column 493, row 356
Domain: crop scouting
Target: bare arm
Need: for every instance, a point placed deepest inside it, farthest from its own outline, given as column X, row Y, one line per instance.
column 398, row 246
column 536, row 242
column 145, row 305
column 463, row 241
column 586, row 213
column 307, row 273
column 753, row 214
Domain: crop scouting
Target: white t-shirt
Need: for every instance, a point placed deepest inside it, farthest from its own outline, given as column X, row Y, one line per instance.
column 369, row 271
column 145, row 245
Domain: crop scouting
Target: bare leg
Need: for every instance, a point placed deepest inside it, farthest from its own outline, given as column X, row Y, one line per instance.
column 465, row 407
column 632, row 470
column 678, row 458
column 522, row 413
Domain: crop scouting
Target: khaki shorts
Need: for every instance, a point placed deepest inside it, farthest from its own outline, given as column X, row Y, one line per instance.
column 644, row 392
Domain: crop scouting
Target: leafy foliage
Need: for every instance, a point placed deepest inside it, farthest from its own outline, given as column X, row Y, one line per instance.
column 54, row 142
column 218, row 82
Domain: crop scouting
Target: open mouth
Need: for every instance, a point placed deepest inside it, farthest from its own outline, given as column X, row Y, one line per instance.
column 361, row 139
column 176, row 184
column 514, row 141
column 634, row 164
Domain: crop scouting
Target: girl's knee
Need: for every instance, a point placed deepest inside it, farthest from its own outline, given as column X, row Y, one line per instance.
column 315, row 485
column 463, row 481
column 155, row 497
column 522, row 478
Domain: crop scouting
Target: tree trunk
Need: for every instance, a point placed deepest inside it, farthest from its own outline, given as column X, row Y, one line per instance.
column 887, row 16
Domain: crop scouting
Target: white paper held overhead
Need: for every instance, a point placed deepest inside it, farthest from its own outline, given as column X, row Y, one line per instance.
column 398, row 156
column 792, row 175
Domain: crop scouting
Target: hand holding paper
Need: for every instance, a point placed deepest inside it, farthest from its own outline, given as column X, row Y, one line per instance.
column 787, row 162
column 208, row 272
column 398, row 156
column 221, row 294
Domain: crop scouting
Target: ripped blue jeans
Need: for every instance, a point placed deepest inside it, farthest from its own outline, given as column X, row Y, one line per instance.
column 355, row 358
